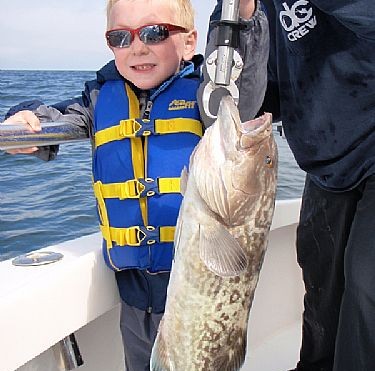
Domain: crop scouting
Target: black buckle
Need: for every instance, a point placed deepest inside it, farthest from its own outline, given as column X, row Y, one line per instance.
column 148, row 235
column 150, row 187
column 147, row 127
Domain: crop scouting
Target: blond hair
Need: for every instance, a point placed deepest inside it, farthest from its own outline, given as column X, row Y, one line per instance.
column 183, row 10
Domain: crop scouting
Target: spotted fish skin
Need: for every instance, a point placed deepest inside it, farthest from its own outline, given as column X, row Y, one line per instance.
column 221, row 237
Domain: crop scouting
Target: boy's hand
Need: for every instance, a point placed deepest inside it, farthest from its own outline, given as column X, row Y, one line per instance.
column 247, row 8
column 31, row 122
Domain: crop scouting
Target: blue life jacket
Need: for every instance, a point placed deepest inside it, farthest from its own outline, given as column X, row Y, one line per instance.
column 137, row 164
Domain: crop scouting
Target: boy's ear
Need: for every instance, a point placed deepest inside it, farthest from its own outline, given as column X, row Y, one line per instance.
column 190, row 45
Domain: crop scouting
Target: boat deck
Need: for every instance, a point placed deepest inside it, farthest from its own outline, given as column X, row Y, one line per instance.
column 280, row 352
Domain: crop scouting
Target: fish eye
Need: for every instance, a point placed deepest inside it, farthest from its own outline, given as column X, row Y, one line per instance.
column 268, row 161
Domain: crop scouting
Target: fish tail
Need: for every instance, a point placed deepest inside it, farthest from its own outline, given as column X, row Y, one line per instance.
column 158, row 360
column 234, row 359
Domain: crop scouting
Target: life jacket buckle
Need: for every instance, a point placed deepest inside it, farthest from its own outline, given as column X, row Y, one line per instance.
column 148, row 235
column 146, row 128
column 149, row 187
column 129, row 128
column 132, row 189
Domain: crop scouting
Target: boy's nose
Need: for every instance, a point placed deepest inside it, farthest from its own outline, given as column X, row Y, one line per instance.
column 138, row 47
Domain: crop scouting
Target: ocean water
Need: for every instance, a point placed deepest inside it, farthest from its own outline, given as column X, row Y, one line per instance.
column 44, row 203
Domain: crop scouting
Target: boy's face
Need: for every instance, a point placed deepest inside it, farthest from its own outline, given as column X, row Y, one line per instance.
column 147, row 66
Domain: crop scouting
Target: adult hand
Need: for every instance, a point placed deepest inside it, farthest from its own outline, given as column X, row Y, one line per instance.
column 247, row 8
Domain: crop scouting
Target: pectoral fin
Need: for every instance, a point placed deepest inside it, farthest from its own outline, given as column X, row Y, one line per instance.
column 177, row 236
column 159, row 356
column 220, row 252
column 184, row 180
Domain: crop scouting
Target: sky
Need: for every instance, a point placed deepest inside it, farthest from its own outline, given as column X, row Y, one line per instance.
column 65, row 34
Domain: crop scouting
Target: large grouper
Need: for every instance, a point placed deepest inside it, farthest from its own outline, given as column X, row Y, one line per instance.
column 220, row 242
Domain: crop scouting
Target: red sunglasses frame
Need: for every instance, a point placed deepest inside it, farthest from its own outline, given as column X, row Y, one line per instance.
column 136, row 31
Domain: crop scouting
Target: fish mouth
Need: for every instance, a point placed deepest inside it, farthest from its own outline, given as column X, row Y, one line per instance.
column 255, row 131
column 257, row 125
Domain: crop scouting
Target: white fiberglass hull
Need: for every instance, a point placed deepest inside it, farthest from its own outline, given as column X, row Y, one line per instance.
column 42, row 305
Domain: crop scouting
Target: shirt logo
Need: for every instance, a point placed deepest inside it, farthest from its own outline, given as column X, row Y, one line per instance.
column 297, row 20
column 179, row 104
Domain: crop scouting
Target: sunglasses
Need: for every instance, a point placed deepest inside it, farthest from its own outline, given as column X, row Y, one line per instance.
column 148, row 34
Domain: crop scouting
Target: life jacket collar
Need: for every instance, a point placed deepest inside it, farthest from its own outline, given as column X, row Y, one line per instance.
column 187, row 70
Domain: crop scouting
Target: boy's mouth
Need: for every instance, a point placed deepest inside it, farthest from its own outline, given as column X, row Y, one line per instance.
column 143, row 67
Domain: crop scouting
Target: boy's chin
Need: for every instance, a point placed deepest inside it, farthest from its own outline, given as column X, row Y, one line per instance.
column 146, row 85
column 149, row 82
column 143, row 86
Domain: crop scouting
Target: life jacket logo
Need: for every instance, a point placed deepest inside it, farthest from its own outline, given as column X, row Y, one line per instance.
column 297, row 20
column 179, row 104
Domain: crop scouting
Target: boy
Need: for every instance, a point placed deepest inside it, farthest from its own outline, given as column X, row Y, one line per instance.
column 142, row 116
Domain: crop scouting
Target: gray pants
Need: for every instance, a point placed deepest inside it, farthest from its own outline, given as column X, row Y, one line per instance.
column 138, row 329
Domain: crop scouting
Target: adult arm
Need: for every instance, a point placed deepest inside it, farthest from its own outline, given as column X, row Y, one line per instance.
column 253, row 49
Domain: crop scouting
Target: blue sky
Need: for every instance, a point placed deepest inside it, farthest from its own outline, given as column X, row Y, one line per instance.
column 64, row 34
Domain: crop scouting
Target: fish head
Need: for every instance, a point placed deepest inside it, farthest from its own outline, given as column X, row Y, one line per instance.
column 237, row 163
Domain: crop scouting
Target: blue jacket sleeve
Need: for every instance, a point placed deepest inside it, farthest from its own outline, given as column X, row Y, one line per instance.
column 76, row 110
column 356, row 15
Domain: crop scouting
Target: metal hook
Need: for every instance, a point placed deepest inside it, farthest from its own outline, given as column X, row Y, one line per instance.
column 211, row 68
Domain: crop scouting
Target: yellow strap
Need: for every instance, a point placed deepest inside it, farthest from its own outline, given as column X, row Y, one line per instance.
column 128, row 129
column 178, row 125
column 145, row 156
column 130, row 189
column 102, row 209
column 169, row 185
column 133, row 188
column 133, row 236
column 138, row 158
column 167, row 234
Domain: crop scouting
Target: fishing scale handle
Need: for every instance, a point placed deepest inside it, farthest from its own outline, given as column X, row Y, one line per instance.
column 227, row 40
